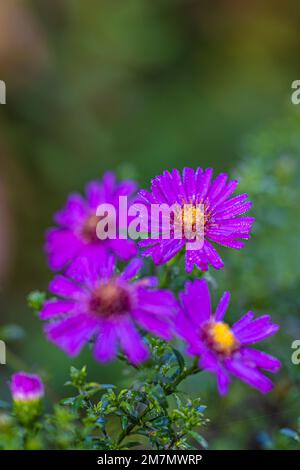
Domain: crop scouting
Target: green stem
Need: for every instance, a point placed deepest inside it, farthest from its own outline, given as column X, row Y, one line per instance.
column 168, row 389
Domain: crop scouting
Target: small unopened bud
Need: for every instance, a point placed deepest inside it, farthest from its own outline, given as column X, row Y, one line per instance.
column 27, row 392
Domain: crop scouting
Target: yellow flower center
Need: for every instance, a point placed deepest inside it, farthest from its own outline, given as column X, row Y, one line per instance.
column 190, row 219
column 221, row 337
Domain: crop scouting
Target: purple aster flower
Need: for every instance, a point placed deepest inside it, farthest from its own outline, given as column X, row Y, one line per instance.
column 97, row 302
column 222, row 223
column 77, row 221
column 223, row 350
column 26, row 387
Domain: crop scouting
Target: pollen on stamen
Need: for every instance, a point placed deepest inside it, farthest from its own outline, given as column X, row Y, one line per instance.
column 190, row 220
column 221, row 338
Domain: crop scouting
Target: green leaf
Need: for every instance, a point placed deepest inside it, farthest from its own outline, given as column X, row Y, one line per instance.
column 124, row 422
column 131, row 444
column 179, row 358
column 198, row 438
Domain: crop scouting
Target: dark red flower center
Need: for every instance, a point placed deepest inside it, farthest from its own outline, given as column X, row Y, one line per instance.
column 88, row 232
column 110, row 299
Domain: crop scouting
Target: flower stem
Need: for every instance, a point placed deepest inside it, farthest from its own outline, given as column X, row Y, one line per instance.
column 168, row 390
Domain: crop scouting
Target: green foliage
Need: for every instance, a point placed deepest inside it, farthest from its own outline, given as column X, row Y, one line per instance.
column 152, row 412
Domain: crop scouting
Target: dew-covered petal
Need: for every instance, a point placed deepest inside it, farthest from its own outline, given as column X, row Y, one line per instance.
column 204, row 184
column 189, row 183
column 217, row 186
column 224, row 194
column 238, row 209
column 165, row 250
column 195, row 257
column 178, row 186
column 212, row 255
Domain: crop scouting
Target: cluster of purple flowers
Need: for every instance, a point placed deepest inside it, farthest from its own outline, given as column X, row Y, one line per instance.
column 95, row 302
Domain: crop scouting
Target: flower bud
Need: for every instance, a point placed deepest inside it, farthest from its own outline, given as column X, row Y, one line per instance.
column 27, row 391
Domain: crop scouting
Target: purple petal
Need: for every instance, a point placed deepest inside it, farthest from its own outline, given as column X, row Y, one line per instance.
column 224, row 194
column 233, row 211
column 153, row 324
column 223, row 306
column 125, row 188
column 204, row 185
column 255, row 358
column 74, row 212
column 158, row 191
column 109, row 185
column 54, row 308
column 61, row 246
column 186, row 330
column 250, row 376
column 212, row 255
column 178, row 186
column 217, row 186
column 223, row 381
column 196, row 301
column 168, row 188
column 131, row 342
column 257, row 330
column 132, row 269
column 95, row 194
column 242, row 322
column 166, row 250
column 228, row 242
column 124, row 249
column 145, row 197
column 72, row 334
column 235, row 201
column 209, row 362
column 189, row 183
column 158, row 302
column 106, row 345
column 195, row 257
column 63, row 287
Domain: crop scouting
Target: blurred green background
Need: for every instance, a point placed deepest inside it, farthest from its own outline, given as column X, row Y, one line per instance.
column 139, row 86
